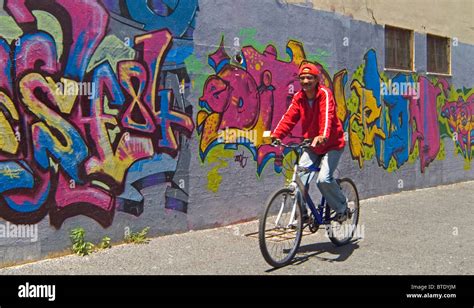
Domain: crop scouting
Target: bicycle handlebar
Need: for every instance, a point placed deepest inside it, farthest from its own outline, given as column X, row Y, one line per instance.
column 304, row 145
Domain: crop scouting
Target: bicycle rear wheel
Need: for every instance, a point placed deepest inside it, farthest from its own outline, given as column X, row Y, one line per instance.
column 280, row 228
column 341, row 233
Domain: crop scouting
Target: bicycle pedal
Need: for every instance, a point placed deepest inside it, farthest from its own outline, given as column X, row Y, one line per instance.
column 313, row 227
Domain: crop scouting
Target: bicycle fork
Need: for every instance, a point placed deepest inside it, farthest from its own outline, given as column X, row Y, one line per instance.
column 292, row 220
column 294, row 187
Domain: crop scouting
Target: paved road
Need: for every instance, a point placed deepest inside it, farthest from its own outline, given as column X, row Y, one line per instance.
column 428, row 231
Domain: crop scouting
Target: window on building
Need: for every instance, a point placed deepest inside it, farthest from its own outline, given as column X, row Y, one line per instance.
column 398, row 48
column 439, row 57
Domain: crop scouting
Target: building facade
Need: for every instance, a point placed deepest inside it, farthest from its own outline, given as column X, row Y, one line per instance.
column 121, row 115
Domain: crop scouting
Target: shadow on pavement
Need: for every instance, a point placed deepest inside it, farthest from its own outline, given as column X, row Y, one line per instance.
column 341, row 253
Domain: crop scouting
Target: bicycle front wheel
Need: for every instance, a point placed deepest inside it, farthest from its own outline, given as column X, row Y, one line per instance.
column 341, row 234
column 280, row 228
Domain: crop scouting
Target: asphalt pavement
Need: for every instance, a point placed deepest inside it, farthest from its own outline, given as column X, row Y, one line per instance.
column 421, row 232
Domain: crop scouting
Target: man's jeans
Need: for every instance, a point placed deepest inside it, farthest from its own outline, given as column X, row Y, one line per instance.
column 325, row 181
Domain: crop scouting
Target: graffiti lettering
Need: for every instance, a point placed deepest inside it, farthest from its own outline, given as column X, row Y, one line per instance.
column 390, row 119
column 73, row 134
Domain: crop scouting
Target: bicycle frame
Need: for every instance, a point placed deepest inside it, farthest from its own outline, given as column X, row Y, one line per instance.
column 303, row 194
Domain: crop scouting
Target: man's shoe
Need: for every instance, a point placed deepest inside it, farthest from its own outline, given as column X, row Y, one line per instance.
column 305, row 218
column 341, row 217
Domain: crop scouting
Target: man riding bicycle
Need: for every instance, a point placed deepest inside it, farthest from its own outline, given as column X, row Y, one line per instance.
column 314, row 105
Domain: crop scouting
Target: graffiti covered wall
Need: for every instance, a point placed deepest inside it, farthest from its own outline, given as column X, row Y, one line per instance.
column 94, row 108
column 133, row 114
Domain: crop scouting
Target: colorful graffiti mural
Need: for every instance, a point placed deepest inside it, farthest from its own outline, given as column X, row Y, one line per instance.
column 94, row 108
column 405, row 124
column 242, row 100
column 459, row 113
column 88, row 118
column 389, row 119
column 393, row 116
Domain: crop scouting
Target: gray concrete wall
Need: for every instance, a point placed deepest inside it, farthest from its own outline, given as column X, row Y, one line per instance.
column 176, row 170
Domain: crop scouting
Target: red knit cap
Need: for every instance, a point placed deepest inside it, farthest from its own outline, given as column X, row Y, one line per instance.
column 309, row 68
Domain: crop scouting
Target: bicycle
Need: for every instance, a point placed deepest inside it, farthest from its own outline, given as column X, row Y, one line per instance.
column 282, row 220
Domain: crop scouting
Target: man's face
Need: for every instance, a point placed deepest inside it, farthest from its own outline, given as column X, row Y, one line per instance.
column 308, row 81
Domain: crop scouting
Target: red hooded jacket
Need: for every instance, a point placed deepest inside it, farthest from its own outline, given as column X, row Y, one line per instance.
column 319, row 120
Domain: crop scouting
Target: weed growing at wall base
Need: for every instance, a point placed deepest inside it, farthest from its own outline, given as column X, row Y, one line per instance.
column 79, row 245
column 136, row 237
column 105, row 243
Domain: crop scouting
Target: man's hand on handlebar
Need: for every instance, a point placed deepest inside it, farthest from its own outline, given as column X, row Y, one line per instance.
column 318, row 140
column 276, row 141
column 306, row 143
